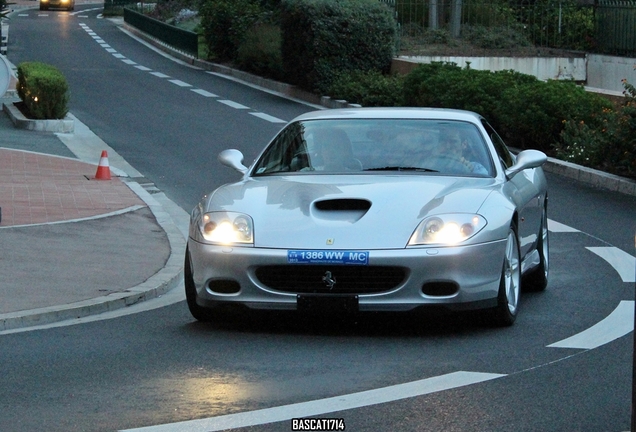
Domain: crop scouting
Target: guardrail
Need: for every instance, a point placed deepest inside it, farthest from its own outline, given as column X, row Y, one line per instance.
column 180, row 39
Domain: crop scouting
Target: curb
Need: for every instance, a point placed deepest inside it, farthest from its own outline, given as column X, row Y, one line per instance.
column 591, row 177
column 65, row 125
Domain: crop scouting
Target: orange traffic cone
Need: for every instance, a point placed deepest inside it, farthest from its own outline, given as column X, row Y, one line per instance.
column 103, row 170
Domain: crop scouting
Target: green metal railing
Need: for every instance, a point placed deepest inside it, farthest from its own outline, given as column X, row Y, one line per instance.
column 617, row 20
column 601, row 26
column 180, row 39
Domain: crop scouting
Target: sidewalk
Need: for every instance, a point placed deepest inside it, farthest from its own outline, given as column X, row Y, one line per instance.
column 71, row 245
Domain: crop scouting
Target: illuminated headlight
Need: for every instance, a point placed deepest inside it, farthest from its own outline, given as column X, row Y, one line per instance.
column 227, row 228
column 447, row 229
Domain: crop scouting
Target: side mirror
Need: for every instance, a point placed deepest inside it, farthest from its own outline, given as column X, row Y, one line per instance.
column 233, row 159
column 526, row 159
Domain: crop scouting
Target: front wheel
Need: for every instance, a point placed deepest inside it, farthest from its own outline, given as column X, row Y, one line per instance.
column 198, row 312
column 510, row 283
column 537, row 279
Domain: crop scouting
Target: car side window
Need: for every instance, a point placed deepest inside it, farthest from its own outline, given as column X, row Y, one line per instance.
column 287, row 153
column 500, row 147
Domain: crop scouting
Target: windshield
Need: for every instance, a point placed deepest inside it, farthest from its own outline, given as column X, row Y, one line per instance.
column 372, row 145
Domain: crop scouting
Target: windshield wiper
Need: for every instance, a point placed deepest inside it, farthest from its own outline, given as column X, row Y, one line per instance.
column 401, row 168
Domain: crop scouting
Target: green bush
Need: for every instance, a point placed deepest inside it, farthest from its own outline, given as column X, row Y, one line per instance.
column 370, row 89
column 504, row 37
column 225, row 24
column 607, row 143
column 322, row 38
column 532, row 115
column 260, row 51
column 43, row 89
column 446, row 85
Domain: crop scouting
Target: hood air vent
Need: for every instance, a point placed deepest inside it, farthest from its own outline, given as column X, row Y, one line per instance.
column 343, row 205
column 341, row 210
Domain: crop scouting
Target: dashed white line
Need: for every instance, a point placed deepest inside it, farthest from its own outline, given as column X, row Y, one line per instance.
column 327, row 405
column 233, row 104
column 623, row 263
column 617, row 324
column 119, row 56
column 159, row 74
column 180, row 83
column 204, row 93
column 267, row 117
column 128, row 61
column 143, row 68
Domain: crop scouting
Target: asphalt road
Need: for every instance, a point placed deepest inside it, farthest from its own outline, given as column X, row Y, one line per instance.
column 160, row 366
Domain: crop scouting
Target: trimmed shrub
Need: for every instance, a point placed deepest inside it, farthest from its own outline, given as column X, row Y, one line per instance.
column 43, row 89
column 322, row 38
column 369, row 89
column 532, row 115
column 446, row 85
column 527, row 112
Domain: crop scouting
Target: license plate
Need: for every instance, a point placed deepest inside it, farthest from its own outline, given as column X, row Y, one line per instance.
column 328, row 257
column 327, row 304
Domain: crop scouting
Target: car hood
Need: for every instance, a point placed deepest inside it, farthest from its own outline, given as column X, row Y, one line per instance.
column 346, row 212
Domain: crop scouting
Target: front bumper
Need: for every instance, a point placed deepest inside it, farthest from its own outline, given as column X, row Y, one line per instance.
column 474, row 271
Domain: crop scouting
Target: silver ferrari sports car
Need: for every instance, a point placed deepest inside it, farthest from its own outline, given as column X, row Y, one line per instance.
column 373, row 209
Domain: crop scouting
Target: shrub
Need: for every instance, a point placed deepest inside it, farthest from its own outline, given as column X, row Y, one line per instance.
column 322, row 38
column 260, row 51
column 225, row 24
column 494, row 37
column 43, row 89
column 369, row 89
column 609, row 143
column 531, row 115
column 446, row 85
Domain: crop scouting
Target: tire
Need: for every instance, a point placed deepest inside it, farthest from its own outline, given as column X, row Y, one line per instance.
column 510, row 283
column 537, row 279
column 198, row 312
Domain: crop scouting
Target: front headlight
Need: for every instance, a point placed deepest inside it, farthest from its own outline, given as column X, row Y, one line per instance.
column 447, row 229
column 227, row 228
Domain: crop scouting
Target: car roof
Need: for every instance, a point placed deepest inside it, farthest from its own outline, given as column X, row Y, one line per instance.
column 391, row 113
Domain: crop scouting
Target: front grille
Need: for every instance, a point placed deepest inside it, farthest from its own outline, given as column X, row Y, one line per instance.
column 349, row 279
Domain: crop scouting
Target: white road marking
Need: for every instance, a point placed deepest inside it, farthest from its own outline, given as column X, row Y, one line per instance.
column 554, row 226
column 328, row 405
column 233, row 104
column 128, row 61
column 119, row 56
column 105, row 45
column 267, row 117
column 111, row 50
column 143, row 68
column 180, row 83
column 204, row 93
column 617, row 324
column 623, row 263
column 159, row 74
